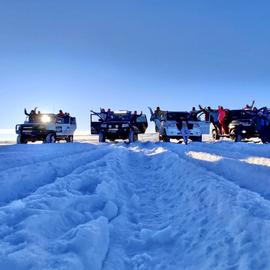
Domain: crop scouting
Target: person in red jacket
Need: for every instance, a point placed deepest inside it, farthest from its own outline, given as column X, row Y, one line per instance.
column 221, row 119
column 60, row 114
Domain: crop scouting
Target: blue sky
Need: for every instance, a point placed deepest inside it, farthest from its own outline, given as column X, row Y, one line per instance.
column 82, row 55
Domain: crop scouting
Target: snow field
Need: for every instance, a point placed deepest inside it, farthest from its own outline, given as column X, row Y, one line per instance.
column 143, row 206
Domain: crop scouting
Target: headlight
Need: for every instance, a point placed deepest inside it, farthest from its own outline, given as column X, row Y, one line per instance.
column 125, row 125
column 103, row 125
column 244, row 131
column 45, row 118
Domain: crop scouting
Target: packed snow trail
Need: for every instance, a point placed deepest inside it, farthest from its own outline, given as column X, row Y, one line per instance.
column 142, row 206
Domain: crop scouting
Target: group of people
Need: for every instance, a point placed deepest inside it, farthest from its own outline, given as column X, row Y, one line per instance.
column 159, row 114
column 35, row 116
column 106, row 115
column 221, row 119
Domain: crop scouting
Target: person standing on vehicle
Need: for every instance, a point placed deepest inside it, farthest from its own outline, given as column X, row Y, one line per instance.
column 212, row 116
column 134, row 116
column 109, row 114
column 158, row 116
column 158, row 112
column 249, row 107
column 60, row 113
column 103, row 115
column 32, row 115
column 185, row 131
column 193, row 114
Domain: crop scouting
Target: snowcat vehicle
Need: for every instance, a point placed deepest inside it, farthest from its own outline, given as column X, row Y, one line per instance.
column 122, row 125
column 169, row 124
column 48, row 128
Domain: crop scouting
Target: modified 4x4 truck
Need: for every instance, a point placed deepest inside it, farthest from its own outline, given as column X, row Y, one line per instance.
column 47, row 128
column 240, row 125
column 169, row 124
column 122, row 125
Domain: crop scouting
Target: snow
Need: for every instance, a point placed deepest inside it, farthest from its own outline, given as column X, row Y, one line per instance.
column 147, row 205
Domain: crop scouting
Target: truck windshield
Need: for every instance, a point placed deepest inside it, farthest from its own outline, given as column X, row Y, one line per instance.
column 240, row 114
column 177, row 116
column 119, row 117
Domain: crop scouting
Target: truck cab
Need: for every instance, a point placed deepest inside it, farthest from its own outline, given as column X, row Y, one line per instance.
column 123, row 125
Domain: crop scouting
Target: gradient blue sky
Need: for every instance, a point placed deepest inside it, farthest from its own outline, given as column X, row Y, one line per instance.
column 81, row 55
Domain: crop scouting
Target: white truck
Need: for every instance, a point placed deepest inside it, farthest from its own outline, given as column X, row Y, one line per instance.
column 48, row 128
column 169, row 124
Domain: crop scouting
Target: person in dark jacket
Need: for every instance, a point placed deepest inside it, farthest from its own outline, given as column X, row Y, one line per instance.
column 193, row 114
column 134, row 116
column 249, row 107
column 32, row 115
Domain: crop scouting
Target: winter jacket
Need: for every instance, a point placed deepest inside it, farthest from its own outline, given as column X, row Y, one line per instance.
column 221, row 115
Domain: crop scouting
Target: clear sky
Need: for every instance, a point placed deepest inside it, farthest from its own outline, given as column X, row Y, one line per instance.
column 81, row 55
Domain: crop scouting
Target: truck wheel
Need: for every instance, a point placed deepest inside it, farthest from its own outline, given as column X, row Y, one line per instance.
column 21, row 140
column 50, row 138
column 215, row 135
column 101, row 137
column 131, row 136
column 69, row 139
column 166, row 139
column 238, row 138
column 197, row 139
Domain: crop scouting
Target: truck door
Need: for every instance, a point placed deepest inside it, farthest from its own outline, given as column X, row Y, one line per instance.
column 95, row 123
column 141, row 123
column 204, row 124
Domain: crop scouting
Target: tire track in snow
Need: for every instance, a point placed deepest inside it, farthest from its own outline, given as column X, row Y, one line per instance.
column 21, row 161
column 148, row 208
column 159, row 216
column 33, row 177
column 59, row 201
column 252, row 177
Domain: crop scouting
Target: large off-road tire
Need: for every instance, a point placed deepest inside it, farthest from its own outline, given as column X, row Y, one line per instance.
column 238, row 137
column 101, row 137
column 21, row 140
column 50, row 138
column 215, row 135
column 196, row 139
column 69, row 139
column 166, row 138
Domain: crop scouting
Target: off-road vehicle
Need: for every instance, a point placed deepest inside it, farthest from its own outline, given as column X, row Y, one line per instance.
column 118, row 125
column 47, row 128
column 241, row 125
column 169, row 124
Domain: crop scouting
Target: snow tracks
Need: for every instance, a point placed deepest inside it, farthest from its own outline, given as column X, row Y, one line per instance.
column 144, row 206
